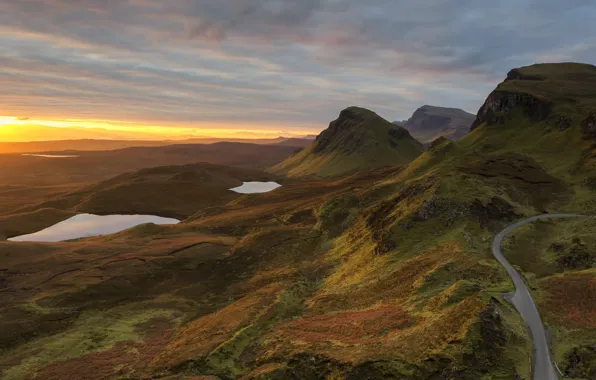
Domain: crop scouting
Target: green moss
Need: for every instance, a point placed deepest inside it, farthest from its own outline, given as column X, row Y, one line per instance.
column 92, row 332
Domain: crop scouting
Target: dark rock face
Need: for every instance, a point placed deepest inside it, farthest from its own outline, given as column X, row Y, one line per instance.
column 497, row 210
column 515, row 74
column 347, row 120
column 499, row 104
column 398, row 133
column 588, row 126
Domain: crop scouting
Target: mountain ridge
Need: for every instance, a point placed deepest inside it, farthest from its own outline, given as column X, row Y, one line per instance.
column 358, row 139
column 430, row 122
column 371, row 274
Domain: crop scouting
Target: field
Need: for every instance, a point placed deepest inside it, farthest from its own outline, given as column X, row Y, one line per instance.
column 362, row 273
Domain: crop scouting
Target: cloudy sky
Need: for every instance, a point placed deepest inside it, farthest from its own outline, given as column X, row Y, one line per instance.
column 278, row 65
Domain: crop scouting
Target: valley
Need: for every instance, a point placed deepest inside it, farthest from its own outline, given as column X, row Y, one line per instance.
column 365, row 255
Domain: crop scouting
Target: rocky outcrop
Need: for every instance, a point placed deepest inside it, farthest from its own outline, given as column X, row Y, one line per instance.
column 499, row 105
column 516, row 74
column 447, row 208
column 398, row 133
column 496, row 210
column 588, row 126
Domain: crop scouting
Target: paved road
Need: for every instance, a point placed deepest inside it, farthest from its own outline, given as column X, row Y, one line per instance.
column 523, row 302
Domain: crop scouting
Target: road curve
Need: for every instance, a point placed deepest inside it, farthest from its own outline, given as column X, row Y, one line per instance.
column 524, row 303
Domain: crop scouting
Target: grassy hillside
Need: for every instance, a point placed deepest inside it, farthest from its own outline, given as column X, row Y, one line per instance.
column 357, row 140
column 379, row 274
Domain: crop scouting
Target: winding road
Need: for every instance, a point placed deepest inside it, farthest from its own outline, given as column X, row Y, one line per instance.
column 524, row 303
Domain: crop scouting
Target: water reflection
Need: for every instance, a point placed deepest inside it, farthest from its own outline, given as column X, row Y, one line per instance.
column 85, row 225
column 256, row 187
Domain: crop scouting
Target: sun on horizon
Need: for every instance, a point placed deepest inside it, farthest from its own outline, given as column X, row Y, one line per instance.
column 20, row 129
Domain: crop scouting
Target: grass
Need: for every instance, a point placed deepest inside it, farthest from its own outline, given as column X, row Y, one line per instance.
column 92, row 332
column 358, row 140
column 561, row 281
column 384, row 272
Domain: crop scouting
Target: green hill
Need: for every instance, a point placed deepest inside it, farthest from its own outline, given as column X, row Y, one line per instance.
column 357, row 140
column 379, row 274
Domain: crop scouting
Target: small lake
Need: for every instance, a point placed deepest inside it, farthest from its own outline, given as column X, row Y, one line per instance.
column 85, row 225
column 256, row 187
column 49, row 155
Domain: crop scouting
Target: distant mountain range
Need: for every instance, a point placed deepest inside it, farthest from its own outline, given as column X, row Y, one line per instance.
column 100, row 144
column 430, row 122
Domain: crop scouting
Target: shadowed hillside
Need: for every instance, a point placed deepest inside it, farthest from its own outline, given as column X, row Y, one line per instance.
column 357, row 140
column 377, row 274
column 170, row 191
column 28, row 181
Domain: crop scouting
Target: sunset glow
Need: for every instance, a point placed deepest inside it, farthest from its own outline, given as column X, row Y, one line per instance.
column 13, row 129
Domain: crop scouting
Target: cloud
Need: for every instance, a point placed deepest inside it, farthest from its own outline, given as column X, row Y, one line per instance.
column 273, row 63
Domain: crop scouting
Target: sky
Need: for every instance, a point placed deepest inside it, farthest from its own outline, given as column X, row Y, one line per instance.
column 264, row 67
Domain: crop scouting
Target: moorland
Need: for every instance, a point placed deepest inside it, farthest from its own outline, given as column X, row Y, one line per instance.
column 371, row 261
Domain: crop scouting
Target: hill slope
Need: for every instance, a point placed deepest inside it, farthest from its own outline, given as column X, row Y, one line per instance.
column 357, row 140
column 376, row 275
column 170, row 191
column 430, row 122
column 28, row 181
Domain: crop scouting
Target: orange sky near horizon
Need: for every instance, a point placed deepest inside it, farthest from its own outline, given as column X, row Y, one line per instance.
column 16, row 129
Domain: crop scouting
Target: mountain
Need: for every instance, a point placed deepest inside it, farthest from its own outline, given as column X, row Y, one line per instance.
column 357, row 140
column 296, row 142
column 430, row 122
column 376, row 274
column 103, row 144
